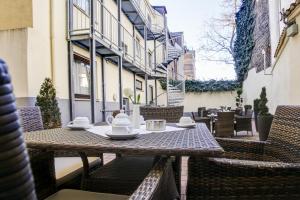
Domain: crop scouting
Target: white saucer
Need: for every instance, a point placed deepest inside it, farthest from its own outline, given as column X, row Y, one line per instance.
column 79, row 127
column 186, row 125
column 143, row 123
column 131, row 135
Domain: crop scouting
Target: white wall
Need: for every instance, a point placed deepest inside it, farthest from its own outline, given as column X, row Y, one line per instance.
column 284, row 82
column 192, row 101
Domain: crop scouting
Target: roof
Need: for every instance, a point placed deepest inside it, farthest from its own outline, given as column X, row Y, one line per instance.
column 161, row 9
column 280, row 42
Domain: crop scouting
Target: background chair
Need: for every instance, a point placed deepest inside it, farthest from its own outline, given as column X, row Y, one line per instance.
column 171, row 114
column 252, row 169
column 244, row 123
column 224, row 125
column 199, row 119
column 67, row 167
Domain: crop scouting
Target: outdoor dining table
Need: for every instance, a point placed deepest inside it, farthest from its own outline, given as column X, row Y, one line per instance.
column 197, row 141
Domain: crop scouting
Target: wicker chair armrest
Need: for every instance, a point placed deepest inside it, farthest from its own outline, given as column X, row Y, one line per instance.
column 243, row 146
column 259, row 165
column 158, row 184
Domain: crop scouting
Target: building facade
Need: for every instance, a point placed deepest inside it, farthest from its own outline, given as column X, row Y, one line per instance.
column 189, row 64
column 91, row 49
column 275, row 60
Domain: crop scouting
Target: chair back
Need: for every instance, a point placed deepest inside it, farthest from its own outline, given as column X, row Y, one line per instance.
column 16, row 176
column 285, row 134
column 31, row 118
column 200, row 111
column 171, row 114
column 225, row 124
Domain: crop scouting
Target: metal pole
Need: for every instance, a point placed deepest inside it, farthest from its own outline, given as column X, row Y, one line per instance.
column 155, row 65
column 146, row 63
column 92, row 59
column 102, row 20
column 120, row 58
column 103, row 89
column 166, row 58
column 70, row 61
column 134, row 86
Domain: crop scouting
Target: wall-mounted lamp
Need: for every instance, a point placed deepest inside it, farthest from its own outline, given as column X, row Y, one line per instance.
column 292, row 30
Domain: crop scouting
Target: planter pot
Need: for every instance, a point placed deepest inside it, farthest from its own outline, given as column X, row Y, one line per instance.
column 255, row 120
column 263, row 126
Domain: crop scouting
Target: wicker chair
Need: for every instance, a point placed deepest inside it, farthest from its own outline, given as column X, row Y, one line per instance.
column 171, row 114
column 244, row 123
column 224, row 126
column 199, row 119
column 16, row 181
column 252, row 169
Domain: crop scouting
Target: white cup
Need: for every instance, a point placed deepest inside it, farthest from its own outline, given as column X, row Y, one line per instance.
column 186, row 121
column 80, row 121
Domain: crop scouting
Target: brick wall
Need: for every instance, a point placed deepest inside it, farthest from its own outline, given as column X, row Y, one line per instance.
column 261, row 36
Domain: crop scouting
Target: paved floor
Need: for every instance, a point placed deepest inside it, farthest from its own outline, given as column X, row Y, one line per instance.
column 184, row 172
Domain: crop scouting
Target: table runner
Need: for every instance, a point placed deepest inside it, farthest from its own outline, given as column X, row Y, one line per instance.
column 102, row 130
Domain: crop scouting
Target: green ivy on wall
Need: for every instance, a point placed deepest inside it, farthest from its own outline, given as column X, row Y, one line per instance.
column 244, row 43
column 205, row 86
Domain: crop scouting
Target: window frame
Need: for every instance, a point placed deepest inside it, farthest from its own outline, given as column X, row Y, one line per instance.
column 86, row 61
column 137, row 85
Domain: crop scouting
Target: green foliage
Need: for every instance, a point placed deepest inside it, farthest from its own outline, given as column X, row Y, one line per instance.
column 205, row 86
column 255, row 105
column 47, row 102
column 248, row 107
column 262, row 106
column 239, row 99
column 244, row 42
column 138, row 99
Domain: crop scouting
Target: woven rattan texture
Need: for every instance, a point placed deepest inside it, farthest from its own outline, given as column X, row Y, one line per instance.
column 31, row 119
column 170, row 114
column 196, row 141
column 252, row 169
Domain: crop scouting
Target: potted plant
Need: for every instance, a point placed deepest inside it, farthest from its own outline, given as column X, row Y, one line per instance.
column 48, row 104
column 136, row 107
column 239, row 101
column 255, row 111
column 264, row 118
column 247, row 107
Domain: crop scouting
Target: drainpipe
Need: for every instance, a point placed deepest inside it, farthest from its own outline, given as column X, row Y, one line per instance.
column 120, row 58
column 146, row 63
column 70, row 60
column 52, row 44
column 93, row 60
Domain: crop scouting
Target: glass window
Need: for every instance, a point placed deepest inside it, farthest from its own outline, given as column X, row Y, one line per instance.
column 138, row 85
column 81, row 78
column 83, row 5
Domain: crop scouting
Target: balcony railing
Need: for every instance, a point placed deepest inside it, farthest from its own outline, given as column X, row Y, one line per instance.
column 154, row 20
column 106, row 29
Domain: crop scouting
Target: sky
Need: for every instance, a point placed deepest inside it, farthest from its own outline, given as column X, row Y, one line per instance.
column 190, row 16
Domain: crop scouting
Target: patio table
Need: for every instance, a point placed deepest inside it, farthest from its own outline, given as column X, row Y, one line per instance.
column 196, row 141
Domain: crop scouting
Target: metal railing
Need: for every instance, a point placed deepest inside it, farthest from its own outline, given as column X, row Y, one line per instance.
column 106, row 29
column 153, row 20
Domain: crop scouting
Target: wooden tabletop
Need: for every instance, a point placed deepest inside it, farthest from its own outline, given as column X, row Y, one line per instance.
column 196, row 141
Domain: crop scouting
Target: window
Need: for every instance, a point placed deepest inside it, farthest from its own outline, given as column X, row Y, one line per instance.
column 138, row 48
column 150, row 60
column 138, row 85
column 84, row 5
column 81, row 77
column 151, row 95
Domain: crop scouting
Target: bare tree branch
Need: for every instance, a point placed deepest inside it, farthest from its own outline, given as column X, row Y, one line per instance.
column 218, row 40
